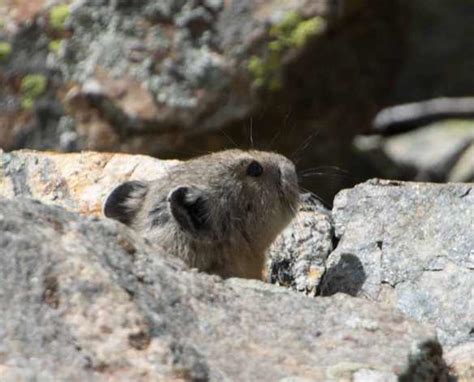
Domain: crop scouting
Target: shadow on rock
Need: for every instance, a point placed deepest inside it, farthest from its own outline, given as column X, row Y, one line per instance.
column 426, row 363
column 347, row 276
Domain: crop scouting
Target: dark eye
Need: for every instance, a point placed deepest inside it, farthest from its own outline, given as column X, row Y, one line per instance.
column 254, row 169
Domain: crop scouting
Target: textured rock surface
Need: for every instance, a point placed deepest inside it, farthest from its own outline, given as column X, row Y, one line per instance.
column 106, row 74
column 403, row 245
column 297, row 258
column 86, row 299
column 410, row 245
column 79, row 182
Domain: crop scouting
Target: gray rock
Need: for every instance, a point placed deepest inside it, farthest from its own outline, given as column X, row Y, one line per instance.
column 86, row 299
column 429, row 153
column 186, row 60
column 409, row 245
column 79, row 182
column 297, row 257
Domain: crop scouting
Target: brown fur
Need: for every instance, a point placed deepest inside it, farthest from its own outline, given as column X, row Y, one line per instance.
column 237, row 216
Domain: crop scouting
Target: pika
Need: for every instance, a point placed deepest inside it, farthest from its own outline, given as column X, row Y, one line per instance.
column 219, row 212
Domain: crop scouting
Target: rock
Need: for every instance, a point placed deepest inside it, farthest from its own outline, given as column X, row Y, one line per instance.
column 80, row 182
column 297, row 257
column 406, row 117
column 444, row 144
column 463, row 170
column 86, row 299
column 461, row 358
column 408, row 245
column 389, row 246
column 107, row 74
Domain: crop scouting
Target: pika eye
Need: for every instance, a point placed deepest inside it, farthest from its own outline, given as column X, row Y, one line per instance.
column 254, row 169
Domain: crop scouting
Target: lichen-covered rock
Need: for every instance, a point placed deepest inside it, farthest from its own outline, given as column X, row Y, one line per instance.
column 86, row 299
column 297, row 257
column 409, row 245
column 105, row 75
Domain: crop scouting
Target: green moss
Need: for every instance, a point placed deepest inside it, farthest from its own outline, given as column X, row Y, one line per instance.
column 55, row 45
column 292, row 32
column 263, row 72
column 32, row 86
column 5, row 50
column 255, row 66
column 306, row 29
column 276, row 46
column 58, row 16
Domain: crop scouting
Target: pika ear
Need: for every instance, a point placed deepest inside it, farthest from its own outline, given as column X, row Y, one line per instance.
column 123, row 202
column 190, row 207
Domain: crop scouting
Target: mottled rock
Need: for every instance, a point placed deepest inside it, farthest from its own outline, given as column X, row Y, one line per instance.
column 79, row 182
column 461, row 357
column 409, row 245
column 112, row 72
column 86, row 299
column 297, row 257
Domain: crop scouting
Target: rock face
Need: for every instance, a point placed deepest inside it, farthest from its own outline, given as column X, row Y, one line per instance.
column 86, row 299
column 79, row 182
column 410, row 245
column 103, row 75
column 404, row 245
column 297, row 258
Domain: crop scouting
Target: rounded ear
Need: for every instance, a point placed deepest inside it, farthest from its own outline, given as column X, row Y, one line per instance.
column 123, row 202
column 190, row 207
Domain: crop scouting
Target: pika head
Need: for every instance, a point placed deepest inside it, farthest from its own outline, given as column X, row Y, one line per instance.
column 219, row 212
